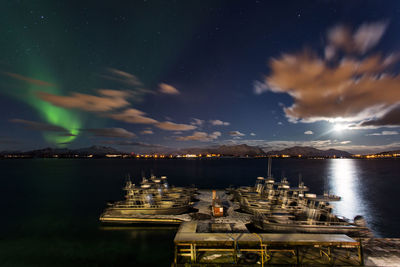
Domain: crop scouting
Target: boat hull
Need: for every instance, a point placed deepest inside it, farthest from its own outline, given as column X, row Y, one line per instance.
column 311, row 229
column 147, row 211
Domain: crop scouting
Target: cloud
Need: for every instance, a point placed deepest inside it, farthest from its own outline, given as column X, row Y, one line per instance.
column 219, row 122
column 40, row 126
column 346, row 88
column 148, row 131
column 236, row 133
column 197, row 122
column 139, row 117
column 259, row 87
column 171, row 126
column 200, row 136
column 132, row 115
column 391, row 118
column 106, row 101
column 27, row 79
column 308, row 132
column 110, row 132
column 168, row 89
column 363, row 39
column 385, row 133
column 123, row 77
column 252, row 134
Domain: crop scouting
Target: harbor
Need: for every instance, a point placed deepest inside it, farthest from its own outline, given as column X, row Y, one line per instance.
column 270, row 223
column 230, row 241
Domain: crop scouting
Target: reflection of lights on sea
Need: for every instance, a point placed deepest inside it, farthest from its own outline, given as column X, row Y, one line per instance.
column 344, row 182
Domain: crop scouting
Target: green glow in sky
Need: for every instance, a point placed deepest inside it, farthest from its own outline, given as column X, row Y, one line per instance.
column 49, row 113
column 27, row 92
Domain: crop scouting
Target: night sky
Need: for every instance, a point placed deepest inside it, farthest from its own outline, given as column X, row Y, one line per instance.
column 149, row 75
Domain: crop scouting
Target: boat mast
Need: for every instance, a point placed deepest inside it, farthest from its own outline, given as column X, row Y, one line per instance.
column 269, row 167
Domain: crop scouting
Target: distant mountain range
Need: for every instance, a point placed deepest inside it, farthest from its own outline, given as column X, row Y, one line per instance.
column 48, row 151
column 242, row 150
column 234, row 151
column 305, row 151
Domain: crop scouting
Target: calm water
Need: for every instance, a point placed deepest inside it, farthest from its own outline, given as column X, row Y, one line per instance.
column 50, row 207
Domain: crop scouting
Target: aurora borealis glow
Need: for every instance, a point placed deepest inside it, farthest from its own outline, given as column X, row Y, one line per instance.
column 51, row 114
column 180, row 74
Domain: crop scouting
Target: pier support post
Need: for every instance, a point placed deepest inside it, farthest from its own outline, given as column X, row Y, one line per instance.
column 175, row 255
column 360, row 254
column 193, row 253
column 235, row 252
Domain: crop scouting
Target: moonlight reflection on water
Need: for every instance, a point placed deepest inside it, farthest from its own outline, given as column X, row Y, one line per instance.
column 344, row 181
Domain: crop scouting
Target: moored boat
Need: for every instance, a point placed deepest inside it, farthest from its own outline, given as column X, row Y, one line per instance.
column 153, row 196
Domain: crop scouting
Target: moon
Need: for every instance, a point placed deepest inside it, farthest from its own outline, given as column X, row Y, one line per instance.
column 339, row 127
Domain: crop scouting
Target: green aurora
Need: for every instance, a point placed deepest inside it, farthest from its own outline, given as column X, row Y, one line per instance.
column 54, row 115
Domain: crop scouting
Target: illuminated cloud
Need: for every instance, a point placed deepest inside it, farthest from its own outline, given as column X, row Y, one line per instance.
column 148, row 131
column 260, row 87
column 349, row 88
column 139, row 117
column 360, row 41
column 110, row 132
column 197, row 122
column 27, row 79
column 171, row 126
column 132, row 115
column 308, row 132
column 385, row 133
column 168, row 89
column 200, row 136
column 123, row 77
column 391, row 118
column 106, row 101
column 252, row 134
column 236, row 133
column 219, row 122
column 41, row 126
